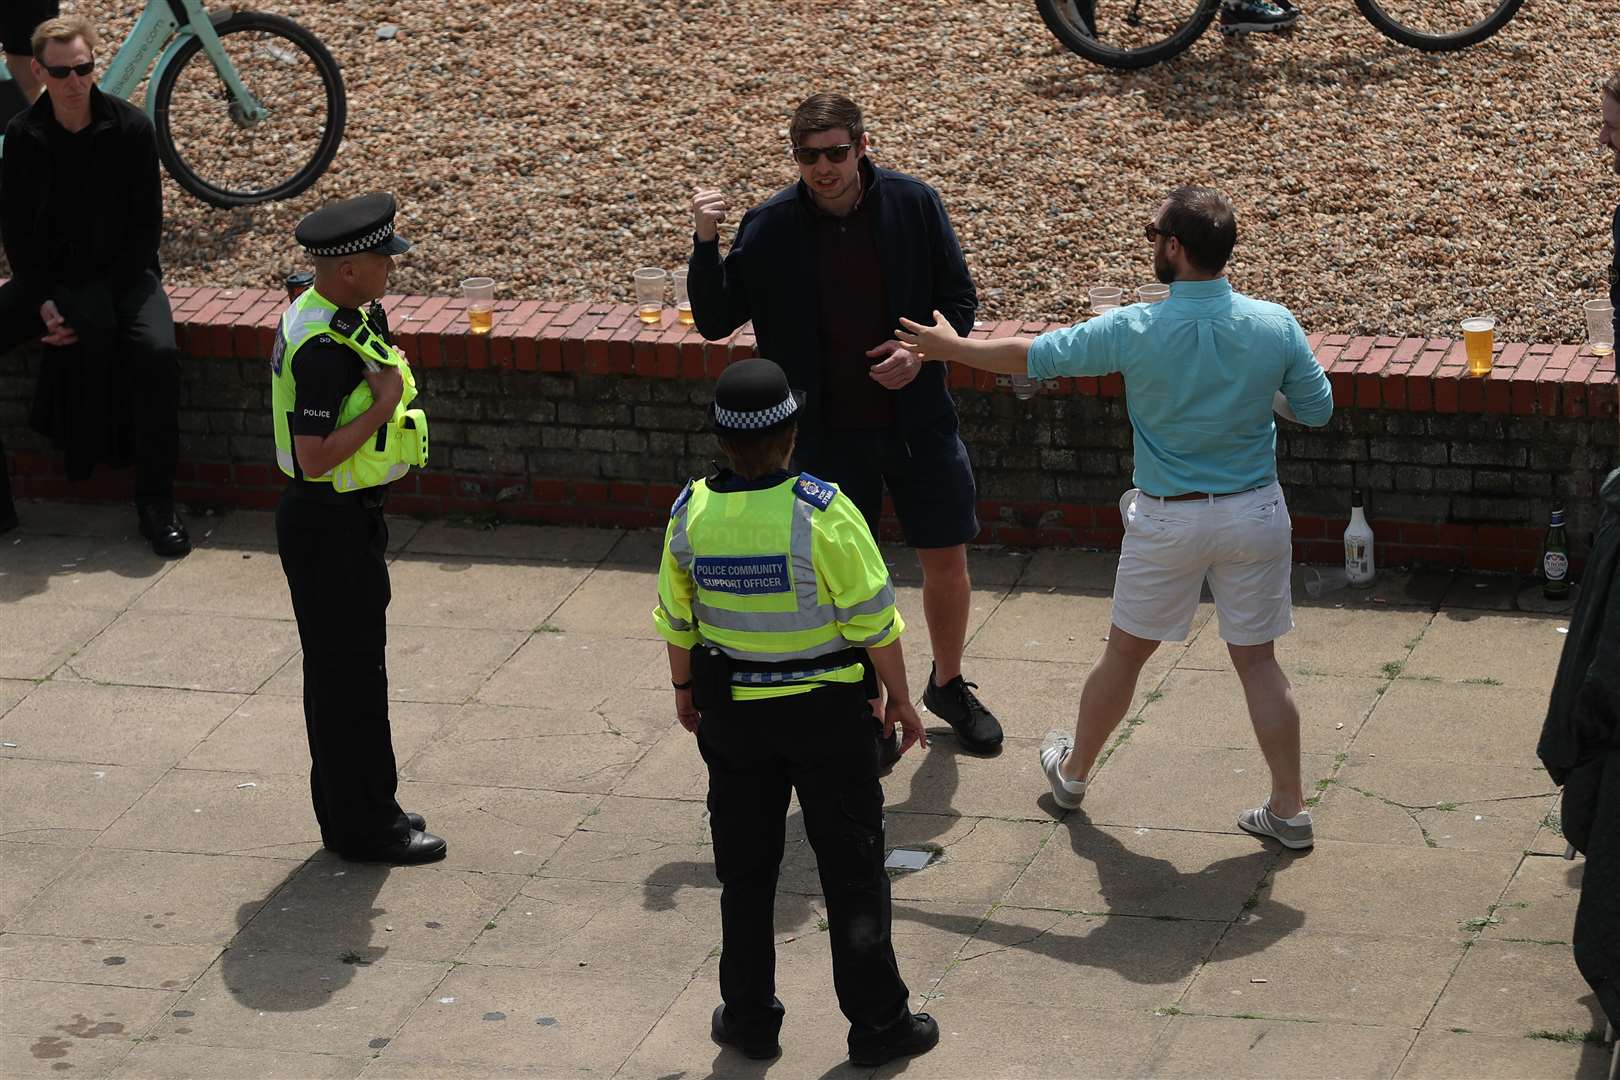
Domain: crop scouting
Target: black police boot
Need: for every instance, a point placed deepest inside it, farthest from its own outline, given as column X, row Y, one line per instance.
column 416, row 821
column 758, row 1048
column 163, row 527
column 416, row 847
column 976, row 727
column 918, row 1035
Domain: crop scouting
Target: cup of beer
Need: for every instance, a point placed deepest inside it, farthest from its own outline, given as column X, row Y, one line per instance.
column 650, row 281
column 683, row 303
column 1479, row 337
column 1105, row 298
column 480, row 294
column 1152, row 294
column 1599, row 326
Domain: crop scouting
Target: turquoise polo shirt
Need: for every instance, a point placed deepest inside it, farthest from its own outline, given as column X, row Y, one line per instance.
column 1200, row 369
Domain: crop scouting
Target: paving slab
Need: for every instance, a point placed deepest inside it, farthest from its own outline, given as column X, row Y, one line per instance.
column 13, row 691
column 62, row 518
column 642, row 714
column 60, row 801
column 919, row 646
column 104, row 961
column 1540, row 904
column 1398, row 588
column 438, row 590
column 1140, row 871
column 979, row 860
column 559, row 1019
column 1468, row 723
column 1480, row 806
column 641, row 841
column 266, row 734
column 168, row 1061
column 495, row 829
column 1206, row 708
column 297, row 1001
column 257, row 529
column 427, row 663
column 1034, row 624
column 946, row 780
column 34, row 647
column 1330, row 641
column 80, row 572
column 133, row 896
column 188, row 651
column 1165, row 785
column 335, row 908
column 990, row 568
column 1071, row 571
column 1518, row 988
column 528, row 748
column 670, row 768
column 223, row 813
column 119, row 725
column 569, row 671
column 26, row 870
column 86, row 1027
column 1515, row 650
column 1316, row 975
column 642, row 549
column 39, row 1056
column 223, row 581
column 1447, row 1055
column 1032, row 697
column 537, row 543
column 1195, row 1046
column 606, row 603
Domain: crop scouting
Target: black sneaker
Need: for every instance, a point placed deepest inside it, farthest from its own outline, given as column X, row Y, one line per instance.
column 919, row 1037
column 758, row 1049
column 888, row 751
column 976, row 727
column 1257, row 15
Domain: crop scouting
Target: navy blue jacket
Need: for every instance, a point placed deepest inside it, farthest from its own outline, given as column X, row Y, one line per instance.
column 769, row 276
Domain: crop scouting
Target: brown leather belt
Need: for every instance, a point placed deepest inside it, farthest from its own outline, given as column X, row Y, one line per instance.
column 1202, row 495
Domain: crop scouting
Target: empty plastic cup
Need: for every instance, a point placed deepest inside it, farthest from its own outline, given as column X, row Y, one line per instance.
column 1599, row 326
column 1105, row 298
column 1152, row 294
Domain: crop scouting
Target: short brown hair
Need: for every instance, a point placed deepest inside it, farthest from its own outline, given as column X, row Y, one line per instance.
column 63, row 29
column 823, row 112
column 1203, row 220
column 754, row 455
column 1612, row 87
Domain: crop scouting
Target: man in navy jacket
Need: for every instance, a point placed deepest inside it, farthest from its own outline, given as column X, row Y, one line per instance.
column 825, row 268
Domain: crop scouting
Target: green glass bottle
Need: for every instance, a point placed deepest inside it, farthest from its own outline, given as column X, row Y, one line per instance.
column 1555, row 559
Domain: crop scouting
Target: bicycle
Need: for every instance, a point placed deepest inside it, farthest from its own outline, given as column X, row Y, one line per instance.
column 223, row 143
column 1129, row 34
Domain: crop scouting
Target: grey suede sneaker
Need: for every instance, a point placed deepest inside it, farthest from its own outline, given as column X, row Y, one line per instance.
column 1065, row 792
column 1289, row 832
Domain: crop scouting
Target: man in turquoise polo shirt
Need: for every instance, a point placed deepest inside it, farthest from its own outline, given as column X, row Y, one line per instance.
column 1204, row 371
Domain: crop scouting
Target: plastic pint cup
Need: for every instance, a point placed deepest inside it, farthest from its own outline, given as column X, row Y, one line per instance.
column 1479, row 337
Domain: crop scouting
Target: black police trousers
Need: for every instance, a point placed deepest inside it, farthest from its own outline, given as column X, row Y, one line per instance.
column 333, row 551
column 821, row 744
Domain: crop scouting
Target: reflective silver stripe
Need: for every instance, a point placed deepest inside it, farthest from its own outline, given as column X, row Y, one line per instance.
column 680, row 545
column 671, row 621
column 296, row 319
column 883, row 599
column 837, row 644
column 877, row 637
column 762, row 622
column 284, row 459
column 802, row 549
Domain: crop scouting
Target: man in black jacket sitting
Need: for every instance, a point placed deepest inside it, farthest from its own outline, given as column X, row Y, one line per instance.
column 825, row 268
column 81, row 213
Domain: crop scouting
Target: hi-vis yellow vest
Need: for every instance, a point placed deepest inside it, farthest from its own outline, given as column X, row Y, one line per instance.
column 398, row 444
column 776, row 574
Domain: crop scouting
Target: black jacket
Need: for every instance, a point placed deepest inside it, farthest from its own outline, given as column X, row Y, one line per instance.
column 125, row 217
column 769, row 276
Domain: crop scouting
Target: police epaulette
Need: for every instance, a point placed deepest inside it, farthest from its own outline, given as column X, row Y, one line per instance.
column 346, row 321
column 818, row 493
column 680, row 500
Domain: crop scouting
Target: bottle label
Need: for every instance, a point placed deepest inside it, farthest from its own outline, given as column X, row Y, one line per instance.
column 1555, row 565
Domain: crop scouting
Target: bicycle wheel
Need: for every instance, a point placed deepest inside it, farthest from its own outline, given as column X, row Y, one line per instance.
column 1438, row 25
column 209, row 147
column 1127, row 33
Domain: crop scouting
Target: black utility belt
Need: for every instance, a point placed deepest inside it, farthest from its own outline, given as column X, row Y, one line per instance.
column 713, row 672
column 372, row 498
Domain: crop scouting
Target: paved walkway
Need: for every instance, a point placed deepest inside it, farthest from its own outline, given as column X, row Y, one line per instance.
column 166, row 909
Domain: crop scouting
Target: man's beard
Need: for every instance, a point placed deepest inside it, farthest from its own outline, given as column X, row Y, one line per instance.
column 1167, row 273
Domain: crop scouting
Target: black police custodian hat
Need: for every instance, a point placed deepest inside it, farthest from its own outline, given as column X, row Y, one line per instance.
column 350, row 226
column 753, row 396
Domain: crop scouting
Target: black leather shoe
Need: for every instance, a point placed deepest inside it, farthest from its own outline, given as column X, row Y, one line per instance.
column 977, row 729
column 721, row 1032
column 416, row 821
column 888, row 751
column 418, row 847
column 163, row 527
column 918, row 1037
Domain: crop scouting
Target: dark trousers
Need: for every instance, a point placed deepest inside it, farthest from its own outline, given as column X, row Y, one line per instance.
column 142, row 340
column 821, row 744
column 333, row 551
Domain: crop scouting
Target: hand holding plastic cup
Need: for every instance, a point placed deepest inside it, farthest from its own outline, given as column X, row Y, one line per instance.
column 650, row 282
column 1599, row 326
column 480, row 294
column 1105, row 298
column 1479, row 337
column 1152, row 294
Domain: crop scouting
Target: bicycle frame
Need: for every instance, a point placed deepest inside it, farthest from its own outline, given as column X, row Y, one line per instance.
column 169, row 23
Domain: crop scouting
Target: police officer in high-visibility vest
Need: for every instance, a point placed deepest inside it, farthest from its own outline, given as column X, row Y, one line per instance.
column 340, row 393
column 775, row 603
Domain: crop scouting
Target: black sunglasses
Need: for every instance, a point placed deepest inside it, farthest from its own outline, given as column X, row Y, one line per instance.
column 809, row 155
column 62, row 71
column 1154, row 232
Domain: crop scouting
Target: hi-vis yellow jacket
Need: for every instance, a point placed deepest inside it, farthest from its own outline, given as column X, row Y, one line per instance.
column 398, row 444
column 782, row 570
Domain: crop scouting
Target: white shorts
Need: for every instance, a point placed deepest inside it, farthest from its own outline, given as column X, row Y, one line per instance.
column 1242, row 544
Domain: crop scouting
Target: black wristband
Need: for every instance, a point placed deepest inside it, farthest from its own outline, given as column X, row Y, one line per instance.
column 687, row 685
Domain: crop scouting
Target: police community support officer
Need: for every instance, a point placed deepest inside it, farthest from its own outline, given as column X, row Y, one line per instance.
column 775, row 584
column 339, row 392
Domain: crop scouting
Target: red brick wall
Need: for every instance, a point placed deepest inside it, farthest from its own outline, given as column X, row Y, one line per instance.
column 578, row 413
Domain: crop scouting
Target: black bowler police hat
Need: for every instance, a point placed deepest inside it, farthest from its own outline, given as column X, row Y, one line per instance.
column 752, row 397
column 351, row 226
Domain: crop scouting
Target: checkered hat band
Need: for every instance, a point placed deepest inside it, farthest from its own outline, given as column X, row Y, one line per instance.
column 753, row 421
column 352, row 247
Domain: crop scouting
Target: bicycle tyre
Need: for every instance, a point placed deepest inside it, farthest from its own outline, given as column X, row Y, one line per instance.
column 1061, row 17
column 331, row 78
column 1385, row 24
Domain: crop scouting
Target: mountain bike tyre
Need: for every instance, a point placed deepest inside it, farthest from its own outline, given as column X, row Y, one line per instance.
column 1059, row 16
column 1431, row 42
column 293, row 36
